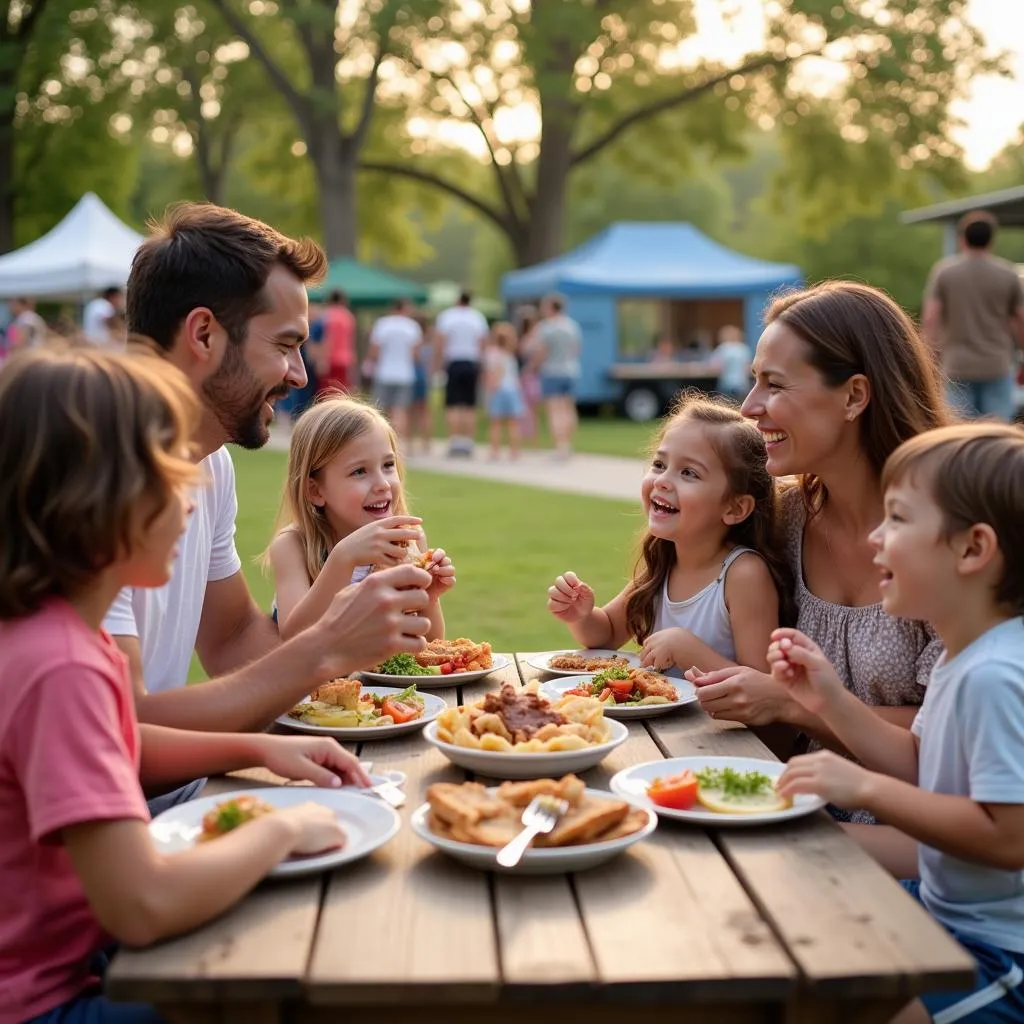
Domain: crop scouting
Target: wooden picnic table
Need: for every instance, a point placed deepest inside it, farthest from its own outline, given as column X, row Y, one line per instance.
column 791, row 923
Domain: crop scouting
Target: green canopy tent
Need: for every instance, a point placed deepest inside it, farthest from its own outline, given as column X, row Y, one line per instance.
column 367, row 287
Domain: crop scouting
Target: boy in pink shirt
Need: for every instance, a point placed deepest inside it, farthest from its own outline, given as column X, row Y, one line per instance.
column 95, row 485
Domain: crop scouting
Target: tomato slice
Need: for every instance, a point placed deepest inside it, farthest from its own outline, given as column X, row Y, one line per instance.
column 621, row 688
column 678, row 791
column 448, row 668
column 400, row 710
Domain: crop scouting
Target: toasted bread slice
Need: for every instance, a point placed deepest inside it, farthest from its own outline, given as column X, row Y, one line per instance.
column 582, row 823
column 632, row 822
column 464, row 804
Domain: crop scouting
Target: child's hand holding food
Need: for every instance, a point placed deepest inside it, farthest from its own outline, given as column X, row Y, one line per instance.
column 661, row 649
column 383, row 543
column 441, row 570
column 317, row 759
column 315, row 826
column 799, row 664
column 825, row 774
column 570, row 599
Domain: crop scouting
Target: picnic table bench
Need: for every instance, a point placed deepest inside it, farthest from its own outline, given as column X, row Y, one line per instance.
column 791, row 923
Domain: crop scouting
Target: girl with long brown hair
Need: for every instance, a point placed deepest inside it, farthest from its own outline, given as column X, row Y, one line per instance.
column 705, row 590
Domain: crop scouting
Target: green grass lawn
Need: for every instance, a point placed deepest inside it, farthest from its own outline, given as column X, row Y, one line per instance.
column 508, row 543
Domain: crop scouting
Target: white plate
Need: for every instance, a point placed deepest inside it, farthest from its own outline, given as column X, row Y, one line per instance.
column 557, row 860
column 499, row 765
column 555, row 689
column 541, row 662
column 368, row 823
column 633, row 782
column 432, row 707
column 433, row 682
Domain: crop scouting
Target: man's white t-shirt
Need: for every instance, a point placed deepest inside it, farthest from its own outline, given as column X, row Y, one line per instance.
column 166, row 620
column 96, row 320
column 464, row 330
column 732, row 360
column 396, row 337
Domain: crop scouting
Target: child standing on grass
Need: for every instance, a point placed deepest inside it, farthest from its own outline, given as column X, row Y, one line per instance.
column 950, row 552
column 502, row 389
column 344, row 514
column 705, row 591
column 95, row 484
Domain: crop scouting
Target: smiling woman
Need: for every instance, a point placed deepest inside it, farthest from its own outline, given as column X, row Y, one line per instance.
column 842, row 379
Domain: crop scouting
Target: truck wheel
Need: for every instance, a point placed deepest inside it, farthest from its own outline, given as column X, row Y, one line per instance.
column 642, row 404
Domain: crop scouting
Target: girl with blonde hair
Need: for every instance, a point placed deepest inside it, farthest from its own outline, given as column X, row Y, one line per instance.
column 343, row 514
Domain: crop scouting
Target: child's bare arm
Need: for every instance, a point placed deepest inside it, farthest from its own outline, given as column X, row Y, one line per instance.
column 572, row 601
column 753, row 604
column 141, row 896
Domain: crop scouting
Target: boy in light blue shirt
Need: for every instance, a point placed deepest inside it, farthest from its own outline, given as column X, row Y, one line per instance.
column 950, row 551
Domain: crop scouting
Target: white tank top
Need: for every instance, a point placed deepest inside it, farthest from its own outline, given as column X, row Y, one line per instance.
column 705, row 614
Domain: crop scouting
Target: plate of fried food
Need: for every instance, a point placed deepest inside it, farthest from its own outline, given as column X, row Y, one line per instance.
column 442, row 663
column 519, row 734
column 725, row 792
column 367, row 823
column 347, row 710
column 626, row 692
column 471, row 823
column 582, row 662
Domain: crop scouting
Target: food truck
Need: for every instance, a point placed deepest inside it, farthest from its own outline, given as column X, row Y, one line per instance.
column 651, row 300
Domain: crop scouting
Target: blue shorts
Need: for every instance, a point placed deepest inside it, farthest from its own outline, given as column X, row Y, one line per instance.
column 998, row 994
column 506, row 404
column 557, row 387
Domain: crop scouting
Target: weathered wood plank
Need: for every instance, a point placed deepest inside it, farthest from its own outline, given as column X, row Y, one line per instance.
column 547, row 1012
column 425, row 920
column 669, row 920
column 848, row 924
column 256, row 951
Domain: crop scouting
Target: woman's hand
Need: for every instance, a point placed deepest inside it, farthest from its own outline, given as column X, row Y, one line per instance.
column 661, row 650
column 383, row 543
column 570, row 599
column 798, row 664
column 316, row 828
column 314, row 759
column 442, row 574
column 833, row 778
column 741, row 694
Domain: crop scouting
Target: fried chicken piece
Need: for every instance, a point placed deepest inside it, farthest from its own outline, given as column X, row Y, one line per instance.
column 439, row 652
column 342, row 693
column 581, row 663
column 650, row 684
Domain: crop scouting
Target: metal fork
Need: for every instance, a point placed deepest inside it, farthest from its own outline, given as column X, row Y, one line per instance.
column 540, row 817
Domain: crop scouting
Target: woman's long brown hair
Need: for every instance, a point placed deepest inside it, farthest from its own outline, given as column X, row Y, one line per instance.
column 741, row 448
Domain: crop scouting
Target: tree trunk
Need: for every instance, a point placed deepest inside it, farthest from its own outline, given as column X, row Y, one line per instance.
column 6, row 184
column 546, row 229
column 334, row 161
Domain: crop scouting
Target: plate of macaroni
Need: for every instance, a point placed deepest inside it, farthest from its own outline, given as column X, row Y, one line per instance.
column 582, row 662
column 520, row 734
column 626, row 692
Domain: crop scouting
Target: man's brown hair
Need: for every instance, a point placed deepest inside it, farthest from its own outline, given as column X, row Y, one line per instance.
column 854, row 329
column 205, row 256
column 975, row 473
column 87, row 436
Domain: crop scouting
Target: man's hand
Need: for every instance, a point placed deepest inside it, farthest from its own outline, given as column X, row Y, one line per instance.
column 369, row 621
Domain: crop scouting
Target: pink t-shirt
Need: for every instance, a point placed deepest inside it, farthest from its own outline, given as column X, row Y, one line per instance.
column 339, row 335
column 69, row 753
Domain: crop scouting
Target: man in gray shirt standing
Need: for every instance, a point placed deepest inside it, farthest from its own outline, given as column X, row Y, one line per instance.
column 974, row 319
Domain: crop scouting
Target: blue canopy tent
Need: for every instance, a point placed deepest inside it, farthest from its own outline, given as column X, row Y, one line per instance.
column 672, row 262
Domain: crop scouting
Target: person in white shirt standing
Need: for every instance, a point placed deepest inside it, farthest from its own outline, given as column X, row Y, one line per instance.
column 731, row 359
column 462, row 332
column 394, row 342
column 99, row 316
column 27, row 328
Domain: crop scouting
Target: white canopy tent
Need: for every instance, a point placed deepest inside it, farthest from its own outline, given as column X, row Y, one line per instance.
column 89, row 250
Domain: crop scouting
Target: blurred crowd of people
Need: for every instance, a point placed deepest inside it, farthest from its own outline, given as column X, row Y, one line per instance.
column 510, row 371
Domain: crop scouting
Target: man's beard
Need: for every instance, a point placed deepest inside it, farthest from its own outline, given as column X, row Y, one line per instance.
column 236, row 397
